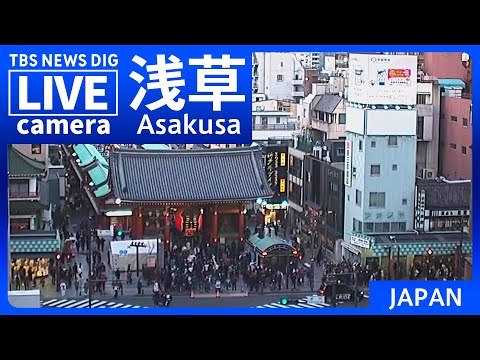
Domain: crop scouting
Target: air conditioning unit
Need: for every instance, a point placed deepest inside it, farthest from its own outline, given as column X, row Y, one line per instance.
column 428, row 174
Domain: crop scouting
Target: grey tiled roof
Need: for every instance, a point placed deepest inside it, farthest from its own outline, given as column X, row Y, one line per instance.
column 188, row 175
column 328, row 103
column 441, row 195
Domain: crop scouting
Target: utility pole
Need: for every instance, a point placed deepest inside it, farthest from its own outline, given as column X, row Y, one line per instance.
column 90, row 271
column 460, row 250
column 137, row 245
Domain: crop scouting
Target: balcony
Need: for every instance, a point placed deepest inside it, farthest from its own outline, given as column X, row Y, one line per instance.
column 424, row 110
column 298, row 93
column 297, row 82
column 14, row 195
column 260, row 127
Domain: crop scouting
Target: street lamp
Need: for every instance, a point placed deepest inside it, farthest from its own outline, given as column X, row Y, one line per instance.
column 137, row 245
column 394, row 239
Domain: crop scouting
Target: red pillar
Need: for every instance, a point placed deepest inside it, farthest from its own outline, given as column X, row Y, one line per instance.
column 166, row 230
column 215, row 225
column 241, row 228
column 137, row 225
column 241, row 224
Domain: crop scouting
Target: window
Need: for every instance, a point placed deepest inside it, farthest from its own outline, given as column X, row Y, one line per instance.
column 279, row 77
column 281, row 63
column 258, row 108
column 392, row 140
column 464, row 150
column 36, row 149
column 375, row 170
column 394, row 167
column 277, row 120
column 465, row 122
column 291, row 160
column 340, row 151
column 357, row 225
column 420, row 125
column 354, row 171
column 404, row 201
column 358, row 197
column 373, row 144
column 421, row 98
column 398, row 226
column 368, row 227
column 264, row 120
column 360, row 145
column 342, row 118
column 377, row 199
column 453, row 146
column 454, row 118
column 383, row 227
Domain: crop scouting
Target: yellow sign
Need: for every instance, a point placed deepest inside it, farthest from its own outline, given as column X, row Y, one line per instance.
column 282, row 185
column 283, row 159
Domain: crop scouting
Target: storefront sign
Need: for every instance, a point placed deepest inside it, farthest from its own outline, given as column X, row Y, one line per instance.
column 348, row 163
column 360, row 241
column 276, row 170
column 101, row 233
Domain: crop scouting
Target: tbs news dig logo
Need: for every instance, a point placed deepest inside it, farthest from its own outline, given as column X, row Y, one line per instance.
column 78, row 93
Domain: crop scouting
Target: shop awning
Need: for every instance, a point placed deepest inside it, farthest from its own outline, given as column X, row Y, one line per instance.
column 269, row 243
column 420, row 248
column 350, row 248
column 458, row 83
column 34, row 246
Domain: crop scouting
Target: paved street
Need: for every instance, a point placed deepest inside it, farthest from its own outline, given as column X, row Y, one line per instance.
column 254, row 301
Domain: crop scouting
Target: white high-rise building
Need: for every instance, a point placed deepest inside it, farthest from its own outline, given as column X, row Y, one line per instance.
column 278, row 75
column 380, row 149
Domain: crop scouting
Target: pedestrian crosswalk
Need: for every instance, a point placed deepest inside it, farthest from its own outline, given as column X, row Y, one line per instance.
column 300, row 304
column 79, row 304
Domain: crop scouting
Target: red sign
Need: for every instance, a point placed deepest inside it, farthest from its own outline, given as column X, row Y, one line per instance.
column 399, row 73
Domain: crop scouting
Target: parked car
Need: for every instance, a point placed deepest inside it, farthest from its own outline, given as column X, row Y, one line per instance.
column 343, row 293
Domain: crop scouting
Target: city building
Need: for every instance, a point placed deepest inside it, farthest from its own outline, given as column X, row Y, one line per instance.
column 28, row 190
column 454, row 73
column 324, row 202
column 274, row 118
column 31, row 241
column 380, row 149
column 278, row 75
column 442, row 205
column 428, row 127
column 194, row 195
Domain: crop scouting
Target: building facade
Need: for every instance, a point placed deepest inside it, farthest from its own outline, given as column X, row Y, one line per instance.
column 278, row 75
column 380, row 149
column 324, row 199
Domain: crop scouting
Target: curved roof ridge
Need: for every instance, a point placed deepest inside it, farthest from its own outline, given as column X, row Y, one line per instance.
column 32, row 166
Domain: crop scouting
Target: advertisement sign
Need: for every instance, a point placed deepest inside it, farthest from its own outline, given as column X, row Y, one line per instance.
column 382, row 79
column 360, row 241
column 277, row 171
column 348, row 163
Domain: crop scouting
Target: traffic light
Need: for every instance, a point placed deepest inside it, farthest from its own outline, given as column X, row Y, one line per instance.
column 285, row 301
column 429, row 252
column 294, row 251
column 119, row 232
column 58, row 256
